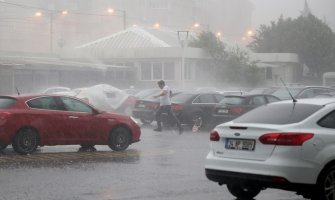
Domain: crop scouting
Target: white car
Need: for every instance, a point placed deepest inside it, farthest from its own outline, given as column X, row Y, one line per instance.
column 287, row 145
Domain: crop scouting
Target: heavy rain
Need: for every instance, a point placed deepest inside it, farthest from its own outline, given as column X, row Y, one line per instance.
column 83, row 113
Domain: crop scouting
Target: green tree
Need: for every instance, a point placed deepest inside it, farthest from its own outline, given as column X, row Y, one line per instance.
column 309, row 37
column 229, row 65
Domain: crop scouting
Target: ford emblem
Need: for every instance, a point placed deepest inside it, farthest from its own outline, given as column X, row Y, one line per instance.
column 237, row 134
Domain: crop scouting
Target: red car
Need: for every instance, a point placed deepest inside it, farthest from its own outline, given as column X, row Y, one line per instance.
column 27, row 122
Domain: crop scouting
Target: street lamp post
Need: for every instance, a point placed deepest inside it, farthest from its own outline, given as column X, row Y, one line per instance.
column 183, row 37
column 124, row 16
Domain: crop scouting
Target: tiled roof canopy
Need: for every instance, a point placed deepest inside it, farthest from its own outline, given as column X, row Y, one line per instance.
column 134, row 37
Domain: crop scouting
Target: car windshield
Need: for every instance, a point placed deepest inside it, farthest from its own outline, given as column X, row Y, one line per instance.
column 286, row 113
column 6, row 102
column 234, row 100
column 182, row 97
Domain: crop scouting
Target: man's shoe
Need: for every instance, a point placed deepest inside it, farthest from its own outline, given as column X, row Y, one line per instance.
column 158, row 129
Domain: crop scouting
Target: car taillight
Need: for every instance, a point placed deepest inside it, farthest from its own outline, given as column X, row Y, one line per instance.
column 214, row 136
column 176, row 107
column 286, row 139
column 236, row 110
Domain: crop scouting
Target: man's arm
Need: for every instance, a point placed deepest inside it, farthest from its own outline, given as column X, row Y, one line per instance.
column 164, row 92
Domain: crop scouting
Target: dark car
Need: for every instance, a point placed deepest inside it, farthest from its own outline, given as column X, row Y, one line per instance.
column 298, row 92
column 195, row 108
column 145, row 109
column 27, row 122
column 232, row 106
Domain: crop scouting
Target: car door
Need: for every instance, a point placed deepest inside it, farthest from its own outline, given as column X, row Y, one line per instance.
column 47, row 116
column 204, row 103
column 79, row 121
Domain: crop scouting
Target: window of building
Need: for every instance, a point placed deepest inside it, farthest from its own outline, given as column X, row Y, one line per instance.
column 268, row 73
column 145, row 71
column 157, row 71
column 169, row 71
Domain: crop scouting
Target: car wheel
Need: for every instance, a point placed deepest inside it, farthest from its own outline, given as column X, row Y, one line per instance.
column 197, row 122
column 326, row 185
column 2, row 147
column 119, row 139
column 25, row 141
column 146, row 121
column 243, row 191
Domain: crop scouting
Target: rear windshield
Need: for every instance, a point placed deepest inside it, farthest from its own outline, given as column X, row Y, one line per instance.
column 232, row 100
column 287, row 113
column 6, row 102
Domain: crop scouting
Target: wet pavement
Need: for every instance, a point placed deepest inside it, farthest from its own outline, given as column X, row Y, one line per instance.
column 163, row 165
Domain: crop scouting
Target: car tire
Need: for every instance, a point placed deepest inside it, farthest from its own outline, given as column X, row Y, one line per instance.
column 25, row 141
column 2, row 147
column 325, row 189
column 119, row 139
column 197, row 121
column 146, row 121
column 243, row 191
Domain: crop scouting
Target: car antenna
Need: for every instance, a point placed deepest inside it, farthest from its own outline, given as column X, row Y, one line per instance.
column 294, row 100
column 17, row 90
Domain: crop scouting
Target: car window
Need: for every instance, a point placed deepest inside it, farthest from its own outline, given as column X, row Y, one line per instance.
column 218, row 97
column 234, row 100
column 282, row 93
column 309, row 93
column 328, row 121
column 286, row 113
column 182, row 97
column 258, row 100
column 6, row 102
column 47, row 103
column 271, row 99
column 75, row 105
column 205, row 98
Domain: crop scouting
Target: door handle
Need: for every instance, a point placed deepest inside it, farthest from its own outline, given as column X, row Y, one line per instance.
column 73, row 117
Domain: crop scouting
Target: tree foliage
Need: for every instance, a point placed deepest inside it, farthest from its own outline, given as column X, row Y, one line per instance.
column 309, row 37
column 229, row 65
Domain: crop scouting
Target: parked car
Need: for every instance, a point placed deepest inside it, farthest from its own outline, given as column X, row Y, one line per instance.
column 298, row 92
column 145, row 109
column 195, row 108
column 27, row 122
column 287, row 145
column 232, row 106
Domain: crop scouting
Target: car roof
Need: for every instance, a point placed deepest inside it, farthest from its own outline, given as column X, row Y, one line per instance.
column 319, row 101
column 27, row 97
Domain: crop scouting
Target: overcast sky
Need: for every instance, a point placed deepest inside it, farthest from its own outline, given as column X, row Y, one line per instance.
column 266, row 11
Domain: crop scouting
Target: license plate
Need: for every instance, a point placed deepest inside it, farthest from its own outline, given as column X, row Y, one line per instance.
column 223, row 111
column 240, row 144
